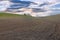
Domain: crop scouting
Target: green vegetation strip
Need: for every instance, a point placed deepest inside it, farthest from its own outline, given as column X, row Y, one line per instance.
column 12, row 15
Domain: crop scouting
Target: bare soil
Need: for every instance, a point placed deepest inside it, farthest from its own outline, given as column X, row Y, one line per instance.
column 29, row 29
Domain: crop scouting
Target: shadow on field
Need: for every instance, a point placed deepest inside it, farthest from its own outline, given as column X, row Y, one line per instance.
column 29, row 29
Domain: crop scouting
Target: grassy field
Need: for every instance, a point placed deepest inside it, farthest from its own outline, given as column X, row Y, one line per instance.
column 18, row 27
column 3, row 15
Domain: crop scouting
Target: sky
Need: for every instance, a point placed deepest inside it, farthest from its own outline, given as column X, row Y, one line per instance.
column 4, row 5
column 51, row 5
column 53, row 2
column 46, row 4
column 40, row 1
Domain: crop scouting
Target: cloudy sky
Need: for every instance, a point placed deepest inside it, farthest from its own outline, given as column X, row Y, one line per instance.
column 47, row 4
column 5, row 4
column 52, row 6
column 41, row 1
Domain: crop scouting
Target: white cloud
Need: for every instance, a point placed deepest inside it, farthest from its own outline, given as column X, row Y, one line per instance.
column 4, row 5
column 46, row 7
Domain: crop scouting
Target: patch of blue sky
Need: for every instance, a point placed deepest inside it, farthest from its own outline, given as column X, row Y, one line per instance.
column 56, row 6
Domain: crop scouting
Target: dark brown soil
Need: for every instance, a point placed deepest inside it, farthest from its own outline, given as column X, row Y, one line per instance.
column 29, row 29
